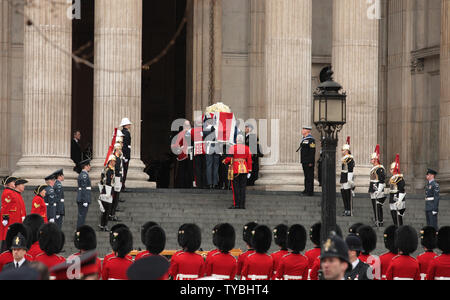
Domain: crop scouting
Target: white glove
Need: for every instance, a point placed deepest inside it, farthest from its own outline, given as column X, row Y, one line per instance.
column 249, row 175
column 126, row 160
column 85, row 204
column 435, row 213
column 23, row 218
column 5, row 223
column 58, row 216
column 52, row 220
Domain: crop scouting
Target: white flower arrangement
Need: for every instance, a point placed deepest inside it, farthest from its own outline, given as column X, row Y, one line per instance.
column 218, row 107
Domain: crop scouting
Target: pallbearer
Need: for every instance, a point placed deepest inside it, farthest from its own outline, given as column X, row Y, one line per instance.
column 106, row 188
column 50, row 197
column 397, row 193
column 347, row 183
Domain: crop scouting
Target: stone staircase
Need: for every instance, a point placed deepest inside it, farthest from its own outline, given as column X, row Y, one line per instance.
column 171, row 208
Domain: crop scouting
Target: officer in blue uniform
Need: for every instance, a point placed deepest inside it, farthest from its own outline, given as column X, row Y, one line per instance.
column 432, row 199
column 84, row 192
column 308, row 156
column 50, row 197
column 59, row 192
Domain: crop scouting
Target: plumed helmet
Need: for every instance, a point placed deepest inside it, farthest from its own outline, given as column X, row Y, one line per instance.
column 225, row 237
column 261, row 238
column 280, row 235
column 406, row 239
column 428, row 237
column 368, row 238
column 155, row 240
column 191, row 238
column 296, row 238
column 122, row 241
column 85, row 238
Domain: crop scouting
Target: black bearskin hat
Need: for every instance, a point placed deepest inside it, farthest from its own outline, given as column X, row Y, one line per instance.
column 180, row 234
column 114, row 229
column 261, row 238
column 155, row 240
column 314, row 233
column 214, row 236
column 13, row 231
column 280, row 235
column 34, row 222
column 50, row 239
column 354, row 228
column 443, row 239
column 389, row 238
column 144, row 229
column 85, row 238
column 406, row 239
column 191, row 237
column 296, row 238
column 368, row 238
column 225, row 237
column 428, row 237
column 247, row 232
column 122, row 242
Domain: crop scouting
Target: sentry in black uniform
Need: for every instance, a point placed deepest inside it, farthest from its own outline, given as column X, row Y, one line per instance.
column 347, row 183
column 308, row 156
column 376, row 187
column 397, row 193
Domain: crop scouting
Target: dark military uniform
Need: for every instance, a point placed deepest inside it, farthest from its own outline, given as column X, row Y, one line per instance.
column 106, row 197
column 126, row 154
column 252, row 141
column 50, row 201
column 348, row 164
column 397, row 198
column 59, row 199
column 118, row 177
column 376, row 191
column 83, row 197
column 432, row 203
column 308, row 156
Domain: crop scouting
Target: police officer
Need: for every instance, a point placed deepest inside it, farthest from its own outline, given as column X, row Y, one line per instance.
column 347, row 183
column 308, row 156
column 84, row 192
column 376, row 187
column 334, row 259
column 59, row 192
column 432, row 199
column 360, row 270
column 50, row 198
column 397, row 193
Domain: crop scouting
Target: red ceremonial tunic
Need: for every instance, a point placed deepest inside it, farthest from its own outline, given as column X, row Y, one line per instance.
column 50, row 260
column 439, row 268
column 276, row 256
column 7, row 257
column 242, row 159
column 312, row 255
column 197, row 136
column 112, row 254
column 145, row 254
column 211, row 253
column 38, row 207
column 13, row 207
column 293, row 267
column 222, row 266
column 372, row 261
column 424, row 263
column 187, row 266
column 141, row 255
column 314, row 272
column 241, row 261
column 403, row 267
column 35, row 250
column 116, row 268
column 385, row 261
column 258, row 266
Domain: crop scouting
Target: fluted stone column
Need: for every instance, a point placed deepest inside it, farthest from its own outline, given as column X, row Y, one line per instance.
column 117, row 81
column 47, row 85
column 4, row 76
column 444, row 141
column 287, row 82
column 355, row 65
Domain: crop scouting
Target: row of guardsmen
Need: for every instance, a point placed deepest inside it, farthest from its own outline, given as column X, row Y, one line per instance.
column 33, row 249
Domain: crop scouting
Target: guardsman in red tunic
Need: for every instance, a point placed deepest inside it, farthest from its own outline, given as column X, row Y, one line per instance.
column 51, row 241
column 239, row 171
column 294, row 265
column 85, row 240
column 214, row 241
column 247, row 237
column 280, row 239
column 111, row 238
column 439, row 268
column 7, row 202
column 428, row 239
column 389, row 243
column 144, row 229
column 314, row 253
column 222, row 265
column 155, row 241
column 7, row 257
column 38, row 204
column 34, row 223
column 368, row 238
column 259, row 265
column 88, row 267
column 188, row 265
column 404, row 266
column 115, row 268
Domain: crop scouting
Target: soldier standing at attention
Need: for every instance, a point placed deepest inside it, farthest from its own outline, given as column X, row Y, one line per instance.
column 308, row 156
column 432, row 199
column 397, row 193
column 347, row 184
column 84, row 192
column 126, row 125
column 59, row 191
column 376, row 187
column 50, row 198
column 106, row 197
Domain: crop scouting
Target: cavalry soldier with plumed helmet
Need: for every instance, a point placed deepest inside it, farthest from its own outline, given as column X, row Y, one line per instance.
column 106, row 189
column 347, row 183
column 397, row 193
column 376, row 187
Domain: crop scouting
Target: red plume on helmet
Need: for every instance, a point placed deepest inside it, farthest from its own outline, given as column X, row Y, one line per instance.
column 396, row 165
column 348, row 140
column 376, row 154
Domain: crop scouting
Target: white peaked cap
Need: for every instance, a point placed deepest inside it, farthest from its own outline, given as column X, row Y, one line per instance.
column 125, row 121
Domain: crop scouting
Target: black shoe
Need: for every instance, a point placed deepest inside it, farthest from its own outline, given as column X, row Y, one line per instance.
column 103, row 228
column 344, row 213
column 233, row 207
column 114, row 219
column 310, row 194
column 121, row 200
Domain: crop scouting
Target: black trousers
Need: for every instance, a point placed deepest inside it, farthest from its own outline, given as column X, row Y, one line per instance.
column 255, row 171
column 239, row 185
column 398, row 218
column 185, row 175
column 223, row 174
column 377, row 205
column 309, row 178
column 115, row 203
column 200, row 171
column 82, row 213
column 104, row 217
column 125, row 172
column 347, row 198
column 432, row 220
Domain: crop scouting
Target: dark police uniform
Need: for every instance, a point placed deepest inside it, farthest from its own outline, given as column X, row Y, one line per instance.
column 83, row 197
column 432, row 202
column 397, row 198
column 59, row 199
column 308, row 156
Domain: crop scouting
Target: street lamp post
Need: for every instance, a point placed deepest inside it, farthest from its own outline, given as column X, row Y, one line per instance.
column 329, row 118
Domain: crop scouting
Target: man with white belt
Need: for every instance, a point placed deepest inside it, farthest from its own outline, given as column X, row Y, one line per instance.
column 84, row 192
column 126, row 125
column 432, row 199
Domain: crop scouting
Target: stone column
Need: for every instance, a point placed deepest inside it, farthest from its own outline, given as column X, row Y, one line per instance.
column 287, row 83
column 444, row 141
column 47, row 85
column 4, row 84
column 355, row 65
column 117, row 81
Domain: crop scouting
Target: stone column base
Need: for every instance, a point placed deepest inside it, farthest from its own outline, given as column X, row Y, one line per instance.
column 35, row 169
column 444, row 182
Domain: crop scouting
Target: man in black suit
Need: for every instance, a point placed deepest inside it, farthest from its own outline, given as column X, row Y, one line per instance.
column 360, row 270
column 19, row 248
column 75, row 150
